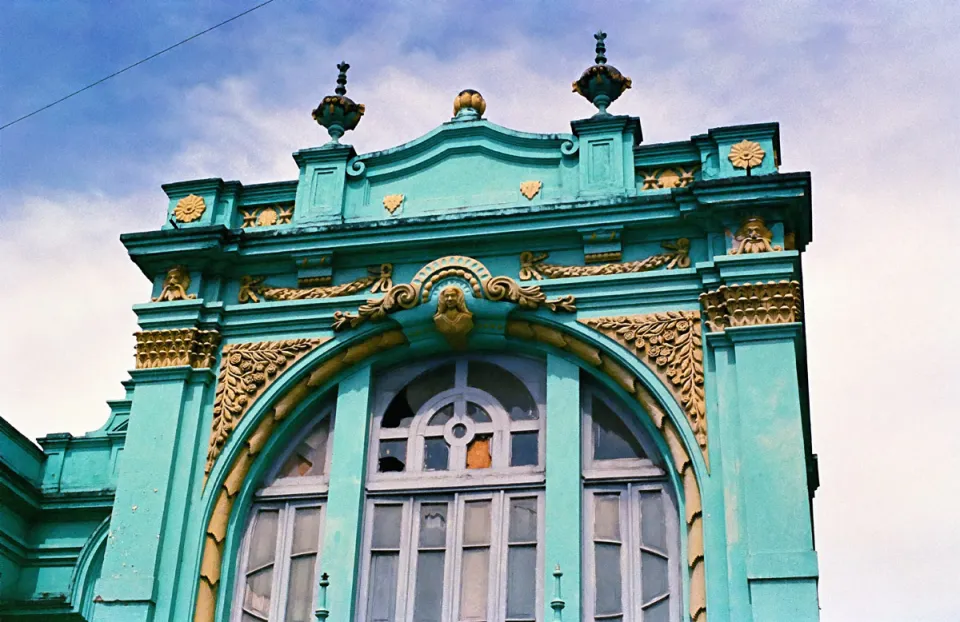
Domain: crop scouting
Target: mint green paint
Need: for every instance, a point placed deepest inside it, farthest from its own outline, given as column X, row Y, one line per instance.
column 563, row 497
column 341, row 542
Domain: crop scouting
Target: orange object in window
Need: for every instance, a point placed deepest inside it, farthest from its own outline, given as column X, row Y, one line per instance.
column 478, row 453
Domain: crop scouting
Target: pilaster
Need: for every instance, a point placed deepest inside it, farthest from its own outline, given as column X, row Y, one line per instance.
column 606, row 153
column 323, row 172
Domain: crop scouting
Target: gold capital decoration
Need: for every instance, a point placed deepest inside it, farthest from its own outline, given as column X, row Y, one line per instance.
column 392, row 202
column 176, row 347
column 532, row 264
column 746, row 154
column 672, row 341
column 530, row 189
column 730, row 306
column 753, row 236
column 482, row 285
column 253, row 289
column 189, row 208
column 453, row 319
column 246, row 370
column 175, row 286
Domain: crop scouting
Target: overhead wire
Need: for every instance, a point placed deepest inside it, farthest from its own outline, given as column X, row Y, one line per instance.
column 139, row 62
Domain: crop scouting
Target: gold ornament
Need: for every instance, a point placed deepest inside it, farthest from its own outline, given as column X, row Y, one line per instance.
column 253, row 289
column 267, row 216
column 189, row 208
column 392, row 202
column 746, row 154
column 453, row 319
column 469, row 99
column 675, row 177
column 753, row 236
column 730, row 306
column 532, row 266
column 530, row 189
column 175, row 286
column 176, row 347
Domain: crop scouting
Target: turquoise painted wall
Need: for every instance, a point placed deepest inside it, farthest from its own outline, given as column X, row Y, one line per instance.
column 600, row 193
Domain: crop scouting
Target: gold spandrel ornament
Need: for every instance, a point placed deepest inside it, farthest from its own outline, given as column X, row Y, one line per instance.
column 530, row 189
column 453, row 319
column 253, row 289
column 175, row 286
column 746, row 154
column 731, row 306
column 532, row 264
column 392, row 202
column 189, row 208
column 753, row 236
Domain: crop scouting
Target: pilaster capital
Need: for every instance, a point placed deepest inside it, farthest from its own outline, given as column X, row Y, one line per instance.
column 757, row 304
column 176, row 347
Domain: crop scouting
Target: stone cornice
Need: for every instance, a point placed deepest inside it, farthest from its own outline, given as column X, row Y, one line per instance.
column 732, row 306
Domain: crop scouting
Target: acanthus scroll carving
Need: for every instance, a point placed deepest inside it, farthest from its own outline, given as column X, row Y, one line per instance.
column 532, row 264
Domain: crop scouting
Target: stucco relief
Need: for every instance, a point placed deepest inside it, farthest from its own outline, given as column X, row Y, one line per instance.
column 253, row 289
column 176, row 347
column 753, row 236
column 532, row 264
column 730, row 306
column 453, row 319
column 175, row 285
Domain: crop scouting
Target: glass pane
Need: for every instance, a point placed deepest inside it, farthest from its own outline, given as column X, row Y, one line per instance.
column 606, row 520
column 442, row 416
column 611, row 437
column 393, row 456
column 473, row 584
column 476, row 522
column 478, row 414
column 459, row 430
column 478, row 453
column 382, row 599
column 436, row 454
column 653, row 524
column 428, row 384
column 249, row 618
column 523, row 520
column 523, row 449
column 428, row 600
column 306, row 531
column 503, row 385
column 263, row 542
column 300, row 594
column 386, row 526
column 658, row 613
column 433, row 525
column 608, row 579
column 655, row 575
column 309, row 457
column 521, row 581
column 256, row 598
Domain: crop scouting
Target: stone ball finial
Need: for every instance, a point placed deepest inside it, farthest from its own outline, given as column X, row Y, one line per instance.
column 469, row 103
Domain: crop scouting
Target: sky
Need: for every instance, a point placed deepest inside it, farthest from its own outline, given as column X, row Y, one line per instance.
column 866, row 95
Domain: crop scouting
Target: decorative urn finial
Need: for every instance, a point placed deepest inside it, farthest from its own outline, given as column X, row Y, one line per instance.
column 468, row 105
column 601, row 84
column 338, row 113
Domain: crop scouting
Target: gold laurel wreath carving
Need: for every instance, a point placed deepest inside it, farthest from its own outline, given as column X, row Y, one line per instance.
column 672, row 341
column 693, row 506
column 532, row 264
column 730, row 306
column 482, row 284
column 253, row 289
column 246, row 370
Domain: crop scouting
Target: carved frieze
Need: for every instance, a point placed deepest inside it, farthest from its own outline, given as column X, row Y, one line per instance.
column 730, row 306
column 671, row 343
column 246, row 370
column 753, row 236
column 253, row 289
column 267, row 215
column 532, row 264
column 189, row 208
column 482, row 284
column 175, row 285
column 675, row 177
column 176, row 347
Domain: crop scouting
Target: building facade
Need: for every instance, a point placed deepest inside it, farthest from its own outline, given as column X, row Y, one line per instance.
column 483, row 375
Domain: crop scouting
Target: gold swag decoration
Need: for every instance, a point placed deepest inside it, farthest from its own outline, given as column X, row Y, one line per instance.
column 253, row 289
column 246, row 370
column 532, row 264
column 672, row 341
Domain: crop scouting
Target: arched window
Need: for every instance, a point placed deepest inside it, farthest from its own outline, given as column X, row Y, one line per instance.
column 630, row 523
column 454, row 516
column 281, row 547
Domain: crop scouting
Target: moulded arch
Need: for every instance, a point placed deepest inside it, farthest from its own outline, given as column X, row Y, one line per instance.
column 87, row 569
column 233, row 478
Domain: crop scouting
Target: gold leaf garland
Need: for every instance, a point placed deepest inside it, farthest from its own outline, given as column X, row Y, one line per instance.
column 532, row 264
column 246, row 370
column 672, row 341
column 253, row 289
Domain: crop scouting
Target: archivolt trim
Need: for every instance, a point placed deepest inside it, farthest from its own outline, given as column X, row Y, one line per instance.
column 246, row 370
column 216, row 532
column 482, row 284
column 681, row 459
